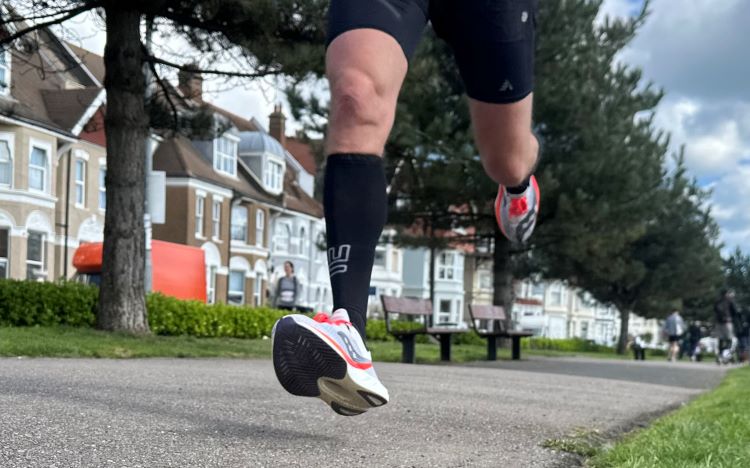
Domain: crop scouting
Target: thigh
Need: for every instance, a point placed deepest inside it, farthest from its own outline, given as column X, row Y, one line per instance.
column 493, row 42
column 403, row 20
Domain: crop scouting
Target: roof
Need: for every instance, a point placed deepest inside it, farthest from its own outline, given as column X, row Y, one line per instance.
column 526, row 301
column 302, row 151
column 65, row 107
column 94, row 62
column 297, row 199
column 242, row 124
column 260, row 142
column 48, row 87
column 179, row 158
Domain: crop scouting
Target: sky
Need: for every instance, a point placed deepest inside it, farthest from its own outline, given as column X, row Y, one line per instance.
column 696, row 50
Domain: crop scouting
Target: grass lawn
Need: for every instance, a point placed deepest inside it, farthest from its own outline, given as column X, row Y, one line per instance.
column 83, row 342
column 712, row 431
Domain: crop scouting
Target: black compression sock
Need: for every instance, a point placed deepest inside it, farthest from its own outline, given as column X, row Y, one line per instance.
column 355, row 205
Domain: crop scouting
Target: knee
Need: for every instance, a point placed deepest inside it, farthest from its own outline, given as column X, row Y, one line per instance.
column 355, row 98
column 511, row 164
column 507, row 168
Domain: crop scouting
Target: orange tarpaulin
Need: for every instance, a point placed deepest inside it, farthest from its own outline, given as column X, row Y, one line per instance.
column 178, row 270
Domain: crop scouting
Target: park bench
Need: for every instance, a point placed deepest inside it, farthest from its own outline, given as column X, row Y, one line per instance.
column 491, row 323
column 405, row 318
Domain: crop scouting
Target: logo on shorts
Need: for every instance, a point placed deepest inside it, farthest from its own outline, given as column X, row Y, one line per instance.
column 338, row 257
column 507, row 86
column 524, row 16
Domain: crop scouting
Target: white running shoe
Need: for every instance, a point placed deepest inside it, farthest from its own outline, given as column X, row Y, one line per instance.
column 325, row 357
column 516, row 214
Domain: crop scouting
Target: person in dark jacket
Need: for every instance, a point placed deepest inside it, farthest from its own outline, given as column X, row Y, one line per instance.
column 725, row 314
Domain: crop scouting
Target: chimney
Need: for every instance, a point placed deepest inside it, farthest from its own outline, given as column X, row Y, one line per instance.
column 277, row 125
column 191, row 82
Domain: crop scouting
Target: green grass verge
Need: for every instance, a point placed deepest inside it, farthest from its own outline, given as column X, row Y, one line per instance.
column 85, row 342
column 711, row 432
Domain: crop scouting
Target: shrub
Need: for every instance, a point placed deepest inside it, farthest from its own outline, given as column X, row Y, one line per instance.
column 29, row 303
column 170, row 316
column 376, row 331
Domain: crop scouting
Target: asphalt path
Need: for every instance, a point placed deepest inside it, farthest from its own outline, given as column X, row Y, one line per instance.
column 233, row 413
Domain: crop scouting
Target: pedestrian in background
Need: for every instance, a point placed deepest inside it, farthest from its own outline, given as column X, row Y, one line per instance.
column 725, row 313
column 288, row 289
column 674, row 327
column 639, row 348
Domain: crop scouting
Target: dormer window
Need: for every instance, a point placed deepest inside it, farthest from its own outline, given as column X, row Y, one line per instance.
column 273, row 175
column 225, row 155
column 4, row 72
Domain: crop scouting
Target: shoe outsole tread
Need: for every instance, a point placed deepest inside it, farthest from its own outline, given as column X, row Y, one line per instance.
column 300, row 358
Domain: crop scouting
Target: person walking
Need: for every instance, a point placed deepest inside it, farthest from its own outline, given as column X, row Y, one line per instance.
column 368, row 50
column 725, row 313
column 674, row 327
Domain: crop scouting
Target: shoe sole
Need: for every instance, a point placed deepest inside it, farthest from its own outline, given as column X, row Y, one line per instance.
column 307, row 366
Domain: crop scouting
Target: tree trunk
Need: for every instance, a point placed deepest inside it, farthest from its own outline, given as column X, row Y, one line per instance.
column 122, row 304
column 622, row 341
column 502, row 273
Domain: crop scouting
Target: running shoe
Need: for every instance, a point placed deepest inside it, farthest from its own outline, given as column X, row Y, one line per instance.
column 516, row 214
column 325, row 357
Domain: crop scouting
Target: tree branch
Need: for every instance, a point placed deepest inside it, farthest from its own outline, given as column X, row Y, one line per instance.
column 209, row 71
column 71, row 14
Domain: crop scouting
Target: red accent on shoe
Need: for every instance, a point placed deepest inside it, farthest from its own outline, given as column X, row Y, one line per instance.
column 321, row 317
column 518, row 206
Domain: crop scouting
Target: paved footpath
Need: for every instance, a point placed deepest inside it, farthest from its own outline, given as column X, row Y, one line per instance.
column 233, row 413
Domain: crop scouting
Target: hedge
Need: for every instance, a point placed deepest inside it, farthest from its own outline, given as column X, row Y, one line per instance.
column 28, row 303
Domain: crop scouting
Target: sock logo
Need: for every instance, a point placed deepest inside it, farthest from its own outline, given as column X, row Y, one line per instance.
column 338, row 257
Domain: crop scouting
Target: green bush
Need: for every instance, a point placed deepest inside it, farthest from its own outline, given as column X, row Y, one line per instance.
column 376, row 331
column 469, row 338
column 29, row 303
column 170, row 316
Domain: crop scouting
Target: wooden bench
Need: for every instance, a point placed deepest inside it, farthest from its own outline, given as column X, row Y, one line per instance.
column 417, row 320
column 496, row 326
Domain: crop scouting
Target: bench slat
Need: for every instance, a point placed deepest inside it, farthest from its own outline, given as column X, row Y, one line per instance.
column 406, row 305
column 487, row 312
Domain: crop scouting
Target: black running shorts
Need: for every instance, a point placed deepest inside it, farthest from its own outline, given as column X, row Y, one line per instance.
column 492, row 40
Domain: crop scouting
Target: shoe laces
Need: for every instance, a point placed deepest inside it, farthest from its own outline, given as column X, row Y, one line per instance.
column 322, row 317
column 518, row 206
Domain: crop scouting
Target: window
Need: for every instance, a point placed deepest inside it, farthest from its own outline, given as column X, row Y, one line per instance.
column 225, row 155
column 239, row 223
column 236, row 287
column 200, row 204
column 6, row 164
column 537, row 289
column 211, row 285
column 282, row 233
column 445, row 311
column 35, row 256
column 5, row 60
column 260, row 228
column 102, row 188
column 447, row 266
column 379, row 257
column 38, row 169
column 273, row 175
column 4, row 253
column 302, row 241
column 258, row 290
column 80, row 180
column 585, row 330
column 216, row 218
column 395, row 263
column 485, row 281
column 555, row 295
